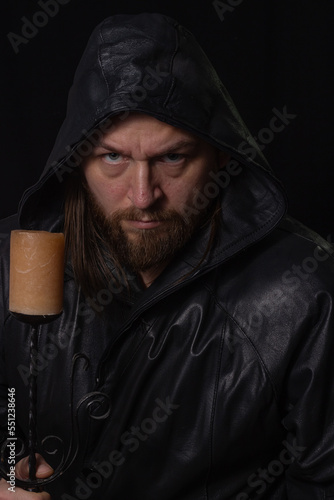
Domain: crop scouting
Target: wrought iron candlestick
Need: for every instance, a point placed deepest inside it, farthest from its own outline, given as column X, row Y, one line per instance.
column 36, row 297
column 51, row 443
column 34, row 321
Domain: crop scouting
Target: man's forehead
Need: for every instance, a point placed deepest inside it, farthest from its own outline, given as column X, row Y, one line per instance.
column 146, row 128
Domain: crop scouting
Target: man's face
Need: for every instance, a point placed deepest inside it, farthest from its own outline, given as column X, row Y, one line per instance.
column 143, row 177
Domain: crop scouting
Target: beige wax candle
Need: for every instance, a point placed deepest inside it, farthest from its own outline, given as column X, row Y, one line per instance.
column 36, row 272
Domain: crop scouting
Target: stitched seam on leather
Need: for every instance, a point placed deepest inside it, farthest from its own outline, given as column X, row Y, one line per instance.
column 246, row 337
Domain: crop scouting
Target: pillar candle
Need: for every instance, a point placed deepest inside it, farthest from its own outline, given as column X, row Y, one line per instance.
column 36, row 272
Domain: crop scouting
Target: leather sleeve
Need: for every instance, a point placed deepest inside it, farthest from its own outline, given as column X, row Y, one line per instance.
column 309, row 419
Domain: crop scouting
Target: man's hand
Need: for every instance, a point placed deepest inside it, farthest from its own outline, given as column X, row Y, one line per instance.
column 22, row 472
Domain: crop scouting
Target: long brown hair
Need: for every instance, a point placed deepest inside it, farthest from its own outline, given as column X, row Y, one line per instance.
column 91, row 263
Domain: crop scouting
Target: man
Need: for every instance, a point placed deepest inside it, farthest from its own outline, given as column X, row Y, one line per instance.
column 203, row 313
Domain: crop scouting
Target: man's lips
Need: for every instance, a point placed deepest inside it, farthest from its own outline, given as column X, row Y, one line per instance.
column 143, row 224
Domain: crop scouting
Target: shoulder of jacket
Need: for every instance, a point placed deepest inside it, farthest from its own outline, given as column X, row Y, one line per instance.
column 290, row 264
column 293, row 248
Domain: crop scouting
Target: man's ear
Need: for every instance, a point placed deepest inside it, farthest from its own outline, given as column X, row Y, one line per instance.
column 223, row 159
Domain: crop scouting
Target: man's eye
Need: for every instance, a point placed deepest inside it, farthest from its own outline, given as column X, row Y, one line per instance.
column 172, row 158
column 112, row 157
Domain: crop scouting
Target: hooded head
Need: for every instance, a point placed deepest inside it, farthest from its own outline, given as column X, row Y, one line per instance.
column 148, row 63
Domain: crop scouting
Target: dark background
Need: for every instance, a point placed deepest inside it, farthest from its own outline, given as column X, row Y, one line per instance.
column 268, row 53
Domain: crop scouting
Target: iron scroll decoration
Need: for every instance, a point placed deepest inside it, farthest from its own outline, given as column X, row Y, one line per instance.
column 51, row 444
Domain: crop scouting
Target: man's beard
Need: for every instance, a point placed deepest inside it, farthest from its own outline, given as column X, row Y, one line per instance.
column 144, row 249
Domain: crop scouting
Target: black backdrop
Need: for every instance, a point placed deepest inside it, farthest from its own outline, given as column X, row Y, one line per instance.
column 274, row 56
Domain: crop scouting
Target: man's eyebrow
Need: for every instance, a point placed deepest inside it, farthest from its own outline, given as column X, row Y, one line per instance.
column 173, row 147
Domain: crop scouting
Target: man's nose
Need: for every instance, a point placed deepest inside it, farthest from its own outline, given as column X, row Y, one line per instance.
column 144, row 188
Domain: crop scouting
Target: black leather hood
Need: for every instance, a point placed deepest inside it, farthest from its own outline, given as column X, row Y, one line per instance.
column 149, row 63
